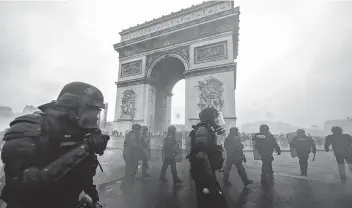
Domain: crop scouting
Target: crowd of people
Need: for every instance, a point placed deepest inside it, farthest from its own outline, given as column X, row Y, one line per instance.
column 50, row 157
column 205, row 155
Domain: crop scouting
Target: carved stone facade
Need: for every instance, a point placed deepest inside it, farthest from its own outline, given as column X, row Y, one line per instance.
column 188, row 34
column 128, row 104
column 131, row 69
column 181, row 51
column 212, row 52
column 210, row 93
column 204, row 39
column 176, row 21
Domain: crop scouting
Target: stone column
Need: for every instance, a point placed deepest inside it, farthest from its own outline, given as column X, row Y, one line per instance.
column 210, row 81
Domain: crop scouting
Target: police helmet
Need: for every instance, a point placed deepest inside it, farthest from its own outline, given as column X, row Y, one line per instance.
column 136, row 127
column 208, row 114
column 81, row 95
column 301, row 132
column 171, row 128
column 264, row 128
column 336, row 130
column 234, row 131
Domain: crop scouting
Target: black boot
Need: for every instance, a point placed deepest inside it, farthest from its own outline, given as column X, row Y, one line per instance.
column 248, row 182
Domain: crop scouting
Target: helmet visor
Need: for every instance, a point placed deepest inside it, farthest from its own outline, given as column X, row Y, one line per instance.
column 89, row 118
column 92, row 104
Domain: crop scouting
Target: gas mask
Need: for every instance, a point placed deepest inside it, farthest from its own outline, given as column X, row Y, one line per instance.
column 88, row 118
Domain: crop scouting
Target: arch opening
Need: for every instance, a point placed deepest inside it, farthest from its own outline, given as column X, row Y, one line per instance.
column 165, row 74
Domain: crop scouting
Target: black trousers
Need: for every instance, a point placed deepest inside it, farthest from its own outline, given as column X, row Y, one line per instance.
column 267, row 168
column 240, row 169
column 172, row 162
column 303, row 163
column 213, row 200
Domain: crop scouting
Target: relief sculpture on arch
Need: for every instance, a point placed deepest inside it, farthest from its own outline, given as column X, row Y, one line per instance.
column 128, row 104
column 210, row 93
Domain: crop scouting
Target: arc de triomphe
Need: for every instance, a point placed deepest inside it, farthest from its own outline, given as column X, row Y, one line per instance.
column 198, row 44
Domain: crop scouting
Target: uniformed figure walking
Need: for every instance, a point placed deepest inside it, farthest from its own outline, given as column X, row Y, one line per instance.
column 170, row 149
column 234, row 153
column 342, row 146
column 50, row 157
column 206, row 157
column 131, row 151
column 265, row 143
column 303, row 145
column 145, row 150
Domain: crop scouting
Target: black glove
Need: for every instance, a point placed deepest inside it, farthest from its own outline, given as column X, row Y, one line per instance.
column 278, row 152
column 327, row 149
column 97, row 142
column 244, row 159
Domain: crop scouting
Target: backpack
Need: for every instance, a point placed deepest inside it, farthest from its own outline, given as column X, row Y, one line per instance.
column 204, row 140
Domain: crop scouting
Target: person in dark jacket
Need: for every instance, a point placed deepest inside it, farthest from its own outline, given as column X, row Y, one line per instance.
column 303, row 145
column 265, row 143
column 170, row 149
column 234, row 155
column 131, row 151
column 342, row 146
column 144, row 150
column 206, row 157
column 50, row 157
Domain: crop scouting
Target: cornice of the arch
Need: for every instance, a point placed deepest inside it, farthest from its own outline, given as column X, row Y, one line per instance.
column 181, row 53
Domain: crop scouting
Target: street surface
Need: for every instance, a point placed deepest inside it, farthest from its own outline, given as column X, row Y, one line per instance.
column 322, row 188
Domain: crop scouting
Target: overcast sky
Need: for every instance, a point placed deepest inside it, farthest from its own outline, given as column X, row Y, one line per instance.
column 294, row 64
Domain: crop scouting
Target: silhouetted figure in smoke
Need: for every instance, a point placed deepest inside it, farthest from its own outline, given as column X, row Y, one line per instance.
column 235, row 155
column 131, row 152
column 171, row 149
column 303, row 145
column 342, row 146
column 265, row 143
column 144, row 150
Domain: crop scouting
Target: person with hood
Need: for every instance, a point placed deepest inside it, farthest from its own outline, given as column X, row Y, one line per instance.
column 50, row 157
column 235, row 155
column 342, row 146
column 265, row 143
column 170, row 149
column 303, row 145
column 206, row 157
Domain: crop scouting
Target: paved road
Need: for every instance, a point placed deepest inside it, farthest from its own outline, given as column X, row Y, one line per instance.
column 322, row 188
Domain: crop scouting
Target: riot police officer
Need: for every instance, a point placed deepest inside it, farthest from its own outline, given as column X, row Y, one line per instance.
column 303, row 145
column 145, row 150
column 235, row 155
column 206, row 157
column 50, row 157
column 131, row 151
column 170, row 149
column 265, row 143
column 342, row 146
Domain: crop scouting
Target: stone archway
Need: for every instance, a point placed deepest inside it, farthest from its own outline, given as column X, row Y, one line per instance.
column 165, row 74
column 198, row 44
